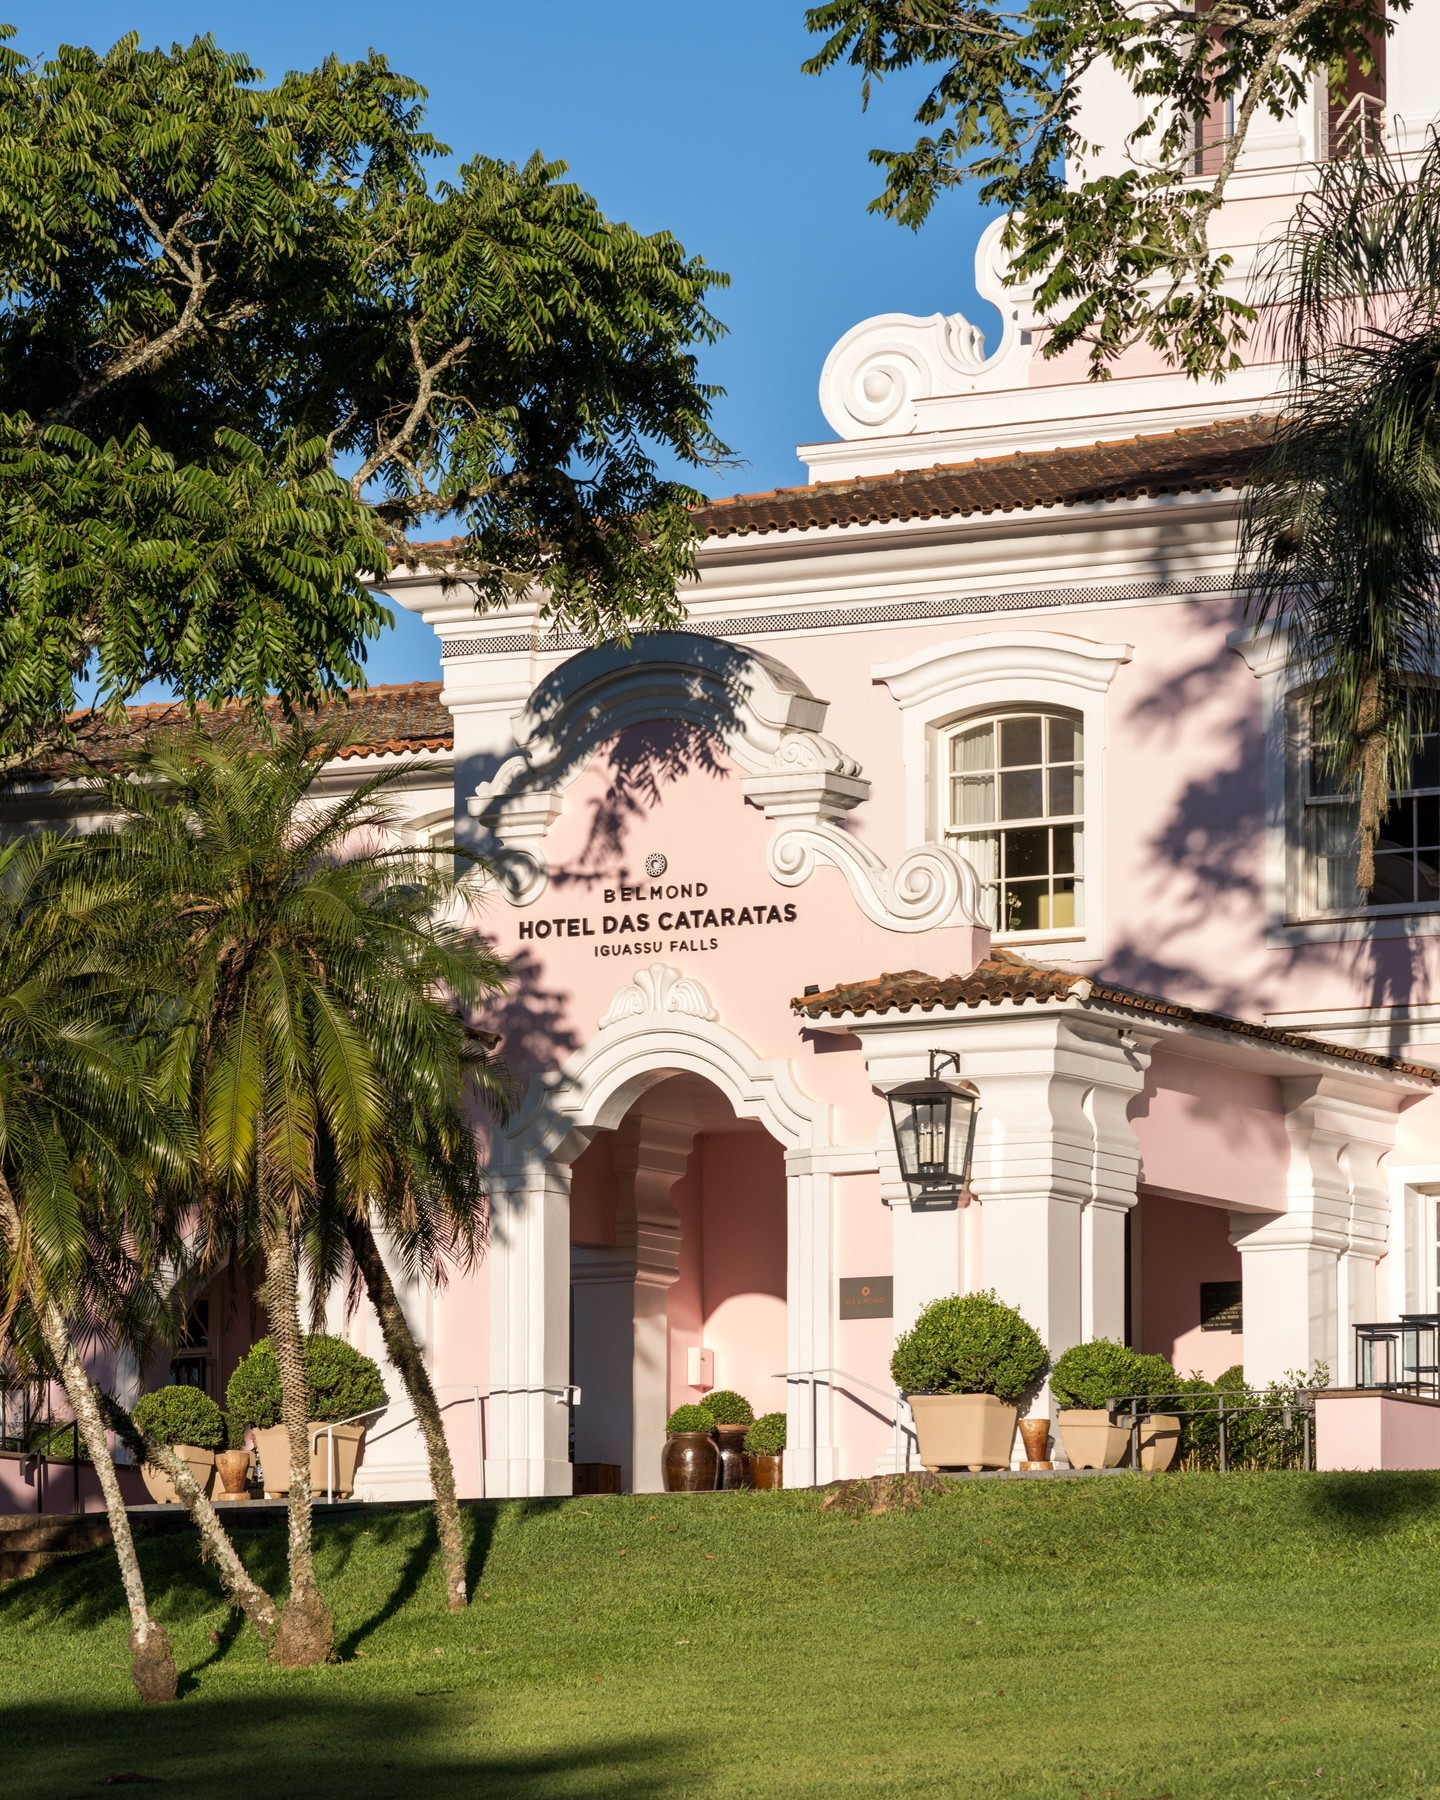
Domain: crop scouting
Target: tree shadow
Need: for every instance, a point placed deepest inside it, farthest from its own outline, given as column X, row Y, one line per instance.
column 1373, row 1504
column 418, row 1560
column 316, row 1744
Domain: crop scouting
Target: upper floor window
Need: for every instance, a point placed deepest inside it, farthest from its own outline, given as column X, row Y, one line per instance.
column 1407, row 852
column 1015, row 805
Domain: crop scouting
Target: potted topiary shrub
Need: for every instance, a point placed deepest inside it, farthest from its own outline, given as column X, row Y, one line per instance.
column 690, row 1461
column 232, row 1464
column 765, row 1447
column 733, row 1415
column 189, row 1421
column 1159, row 1434
column 964, row 1366
column 342, row 1384
column 1085, row 1378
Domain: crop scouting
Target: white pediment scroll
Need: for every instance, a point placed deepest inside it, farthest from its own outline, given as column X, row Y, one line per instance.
column 658, row 989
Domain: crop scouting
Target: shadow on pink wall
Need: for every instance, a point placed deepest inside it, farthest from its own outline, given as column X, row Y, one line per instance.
column 1177, row 1246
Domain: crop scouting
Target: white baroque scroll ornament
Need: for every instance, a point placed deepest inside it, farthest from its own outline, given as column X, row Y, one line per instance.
column 929, row 886
column 658, row 989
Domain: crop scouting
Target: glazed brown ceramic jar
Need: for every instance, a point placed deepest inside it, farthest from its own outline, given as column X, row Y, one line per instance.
column 767, row 1471
column 734, row 1464
column 690, row 1463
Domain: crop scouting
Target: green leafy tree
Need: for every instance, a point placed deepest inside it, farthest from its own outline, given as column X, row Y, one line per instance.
column 247, row 344
column 302, row 972
column 1341, row 534
column 1123, row 257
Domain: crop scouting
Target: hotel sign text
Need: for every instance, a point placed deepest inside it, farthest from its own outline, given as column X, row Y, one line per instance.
column 654, row 915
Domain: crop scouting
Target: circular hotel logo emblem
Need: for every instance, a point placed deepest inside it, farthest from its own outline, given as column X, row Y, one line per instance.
column 655, row 865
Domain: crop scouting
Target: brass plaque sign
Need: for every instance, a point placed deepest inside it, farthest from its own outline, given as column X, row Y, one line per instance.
column 867, row 1297
column 1220, row 1306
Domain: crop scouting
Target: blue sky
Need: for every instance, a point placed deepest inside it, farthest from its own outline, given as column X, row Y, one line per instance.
column 677, row 115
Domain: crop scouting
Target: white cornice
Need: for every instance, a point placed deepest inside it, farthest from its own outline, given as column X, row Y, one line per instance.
column 950, row 668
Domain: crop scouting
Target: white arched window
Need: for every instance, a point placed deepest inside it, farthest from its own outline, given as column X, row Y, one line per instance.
column 1015, row 807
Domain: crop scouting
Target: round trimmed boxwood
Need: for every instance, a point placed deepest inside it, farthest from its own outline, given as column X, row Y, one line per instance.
column 969, row 1344
column 726, row 1407
column 766, row 1437
column 1088, row 1375
column 690, row 1418
column 1156, row 1380
column 181, row 1415
column 341, row 1381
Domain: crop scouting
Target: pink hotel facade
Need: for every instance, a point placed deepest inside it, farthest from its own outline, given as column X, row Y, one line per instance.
column 966, row 746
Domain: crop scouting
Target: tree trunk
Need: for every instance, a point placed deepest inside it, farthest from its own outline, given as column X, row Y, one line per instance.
column 405, row 1353
column 215, row 1544
column 152, row 1662
column 306, row 1631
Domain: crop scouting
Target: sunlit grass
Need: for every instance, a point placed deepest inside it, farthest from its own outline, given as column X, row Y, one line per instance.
column 1186, row 1635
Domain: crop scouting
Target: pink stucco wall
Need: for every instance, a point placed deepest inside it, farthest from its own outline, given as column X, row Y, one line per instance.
column 1376, row 1431
column 1177, row 1246
column 51, row 1489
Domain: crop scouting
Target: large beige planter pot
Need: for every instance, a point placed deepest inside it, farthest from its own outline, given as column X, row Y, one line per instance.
column 273, row 1448
column 1159, row 1440
column 200, row 1463
column 964, row 1431
column 1090, row 1440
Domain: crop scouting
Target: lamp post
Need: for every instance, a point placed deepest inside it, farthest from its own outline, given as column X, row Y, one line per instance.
column 934, row 1125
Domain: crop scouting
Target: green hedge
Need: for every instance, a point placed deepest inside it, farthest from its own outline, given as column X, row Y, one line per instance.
column 341, row 1381
column 726, row 1407
column 690, row 1418
column 181, row 1415
column 766, row 1437
column 969, row 1344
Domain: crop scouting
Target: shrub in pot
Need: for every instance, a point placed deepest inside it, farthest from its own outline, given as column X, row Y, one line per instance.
column 765, row 1446
column 690, row 1461
column 189, row 1421
column 964, row 1366
column 1159, row 1435
column 341, row 1382
column 733, row 1415
column 1085, row 1378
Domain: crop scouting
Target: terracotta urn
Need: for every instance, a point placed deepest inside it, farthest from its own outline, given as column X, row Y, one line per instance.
column 767, row 1471
column 734, row 1463
column 233, row 1467
column 690, row 1463
column 1035, row 1435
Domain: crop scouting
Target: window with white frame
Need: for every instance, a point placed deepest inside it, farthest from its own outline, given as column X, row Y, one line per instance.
column 1015, row 808
column 1407, row 852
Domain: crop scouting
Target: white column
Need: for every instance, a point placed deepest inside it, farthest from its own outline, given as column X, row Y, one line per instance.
column 649, row 1157
column 811, row 1451
column 1309, row 1273
column 527, row 1415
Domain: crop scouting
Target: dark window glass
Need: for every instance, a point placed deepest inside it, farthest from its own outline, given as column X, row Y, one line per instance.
column 1022, row 794
column 1019, row 742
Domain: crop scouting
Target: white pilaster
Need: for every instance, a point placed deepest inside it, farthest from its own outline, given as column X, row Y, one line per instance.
column 811, row 1450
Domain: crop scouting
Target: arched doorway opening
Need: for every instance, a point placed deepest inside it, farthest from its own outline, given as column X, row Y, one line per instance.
column 678, row 1273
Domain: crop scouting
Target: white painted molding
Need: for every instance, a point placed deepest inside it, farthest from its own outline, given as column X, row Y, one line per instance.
column 760, row 712
column 882, row 369
column 953, row 669
column 988, row 672
column 930, row 886
column 659, row 989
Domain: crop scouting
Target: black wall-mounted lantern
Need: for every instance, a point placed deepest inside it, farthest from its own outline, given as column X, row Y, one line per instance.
column 934, row 1125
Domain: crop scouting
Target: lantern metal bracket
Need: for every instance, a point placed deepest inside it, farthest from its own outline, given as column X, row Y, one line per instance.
column 943, row 1059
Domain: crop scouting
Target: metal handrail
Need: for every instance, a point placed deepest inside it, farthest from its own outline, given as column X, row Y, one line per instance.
column 902, row 1436
column 1218, row 1406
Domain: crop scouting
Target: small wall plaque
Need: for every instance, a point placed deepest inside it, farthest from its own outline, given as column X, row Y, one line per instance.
column 867, row 1297
column 1220, row 1306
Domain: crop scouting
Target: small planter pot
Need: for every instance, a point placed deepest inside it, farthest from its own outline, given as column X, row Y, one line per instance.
column 690, row 1463
column 233, row 1468
column 1159, row 1440
column 964, row 1431
column 273, row 1446
column 734, row 1463
column 1090, row 1440
column 768, row 1471
column 200, row 1463
column 1035, row 1436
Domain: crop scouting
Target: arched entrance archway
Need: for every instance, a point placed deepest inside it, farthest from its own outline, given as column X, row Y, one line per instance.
column 659, row 1026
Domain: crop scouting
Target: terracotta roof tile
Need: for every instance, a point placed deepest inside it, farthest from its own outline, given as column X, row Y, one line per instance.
column 398, row 719
column 1003, row 976
column 1185, row 461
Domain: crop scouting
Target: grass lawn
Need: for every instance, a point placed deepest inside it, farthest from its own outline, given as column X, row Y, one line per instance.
column 1134, row 1637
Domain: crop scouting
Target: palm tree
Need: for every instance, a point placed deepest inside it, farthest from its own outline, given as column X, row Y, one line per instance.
column 76, row 1129
column 304, row 966
column 1340, row 538
column 432, row 1207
